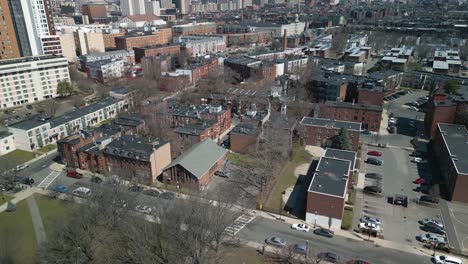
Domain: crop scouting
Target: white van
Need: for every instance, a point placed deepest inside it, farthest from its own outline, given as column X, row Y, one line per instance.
column 82, row 191
column 446, row 260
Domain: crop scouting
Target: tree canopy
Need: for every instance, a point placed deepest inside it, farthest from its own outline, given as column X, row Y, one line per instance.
column 342, row 140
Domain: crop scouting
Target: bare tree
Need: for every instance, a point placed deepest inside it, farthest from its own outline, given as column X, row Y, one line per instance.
column 49, row 107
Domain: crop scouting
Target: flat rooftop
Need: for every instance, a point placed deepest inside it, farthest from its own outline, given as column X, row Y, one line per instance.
column 29, row 59
column 456, row 141
column 331, row 177
column 323, row 122
column 341, row 154
column 354, row 106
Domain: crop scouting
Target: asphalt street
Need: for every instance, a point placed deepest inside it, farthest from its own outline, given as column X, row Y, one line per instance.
column 261, row 228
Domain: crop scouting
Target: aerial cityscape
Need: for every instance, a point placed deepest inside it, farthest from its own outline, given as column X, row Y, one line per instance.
column 234, row 131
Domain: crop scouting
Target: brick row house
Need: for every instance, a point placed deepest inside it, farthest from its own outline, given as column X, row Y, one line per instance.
column 369, row 115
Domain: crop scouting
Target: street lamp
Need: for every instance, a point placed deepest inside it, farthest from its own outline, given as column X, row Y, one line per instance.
column 315, row 222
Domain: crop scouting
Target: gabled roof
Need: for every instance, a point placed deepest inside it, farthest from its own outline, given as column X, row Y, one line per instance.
column 200, row 158
column 142, row 18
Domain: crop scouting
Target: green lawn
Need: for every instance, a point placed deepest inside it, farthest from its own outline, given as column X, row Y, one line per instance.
column 52, row 209
column 107, row 121
column 17, row 235
column 16, row 157
column 287, row 178
column 238, row 159
column 47, row 148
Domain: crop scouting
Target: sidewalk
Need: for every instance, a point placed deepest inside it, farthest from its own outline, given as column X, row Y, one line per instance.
column 19, row 197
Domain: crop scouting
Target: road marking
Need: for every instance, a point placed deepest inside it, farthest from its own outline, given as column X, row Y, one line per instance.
column 248, row 91
column 235, row 90
column 49, row 179
column 254, row 93
column 238, row 224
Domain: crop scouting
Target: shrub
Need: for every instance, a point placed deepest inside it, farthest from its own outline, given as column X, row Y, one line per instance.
column 347, row 220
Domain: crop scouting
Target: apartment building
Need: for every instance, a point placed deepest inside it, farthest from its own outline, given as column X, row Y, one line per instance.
column 124, row 55
column 37, row 132
column 321, row 132
column 7, row 142
column 201, row 45
column 369, row 115
column 156, row 50
column 10, row 49
column 105, row 70
column 194, row 29
column 31, row 79
column 129, row 42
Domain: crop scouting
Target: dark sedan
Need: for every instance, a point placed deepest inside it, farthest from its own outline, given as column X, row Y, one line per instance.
column 374, row 161
column 324, row 232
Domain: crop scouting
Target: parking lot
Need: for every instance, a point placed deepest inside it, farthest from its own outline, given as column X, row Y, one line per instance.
column 399, row 224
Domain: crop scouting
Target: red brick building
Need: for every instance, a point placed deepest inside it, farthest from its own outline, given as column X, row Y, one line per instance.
column 440, row 109
column 327, row 193
column 244, row 137
column 197, row 132
column 183, row 116
column 109, row 39
column 156, row 50
column 249, row 38
column 450, row 153
column 94, row 11
column 369, row 115
column 68, row 146
column 370, row 94
column 196, row 166
column 321, row 132
column 129, row 42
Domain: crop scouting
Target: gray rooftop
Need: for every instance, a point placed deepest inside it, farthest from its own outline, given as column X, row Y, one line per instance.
column 200, row 158
column 4, row 134
column 330, row 177
column 67, row 117
column 139, row 148
column 246, row 129
column 354, row 106
column 456, row 140
column 312, row 121
column 341, row 154
column 242, row 60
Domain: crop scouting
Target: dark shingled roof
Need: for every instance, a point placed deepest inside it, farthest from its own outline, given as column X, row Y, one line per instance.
column 354, row 106
column 246, row 129
column 139, row 148
column 456, row 141
column 331, row 177
column 312, row 121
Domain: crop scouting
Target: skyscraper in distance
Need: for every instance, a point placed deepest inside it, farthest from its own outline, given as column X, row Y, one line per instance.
column 9, row 45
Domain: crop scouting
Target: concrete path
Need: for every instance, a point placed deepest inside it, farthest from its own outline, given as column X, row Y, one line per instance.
column 37, row 222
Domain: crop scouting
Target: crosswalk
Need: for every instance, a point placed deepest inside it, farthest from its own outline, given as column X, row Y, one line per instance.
column 241, row 91
column 238, row 224
column 49, row 179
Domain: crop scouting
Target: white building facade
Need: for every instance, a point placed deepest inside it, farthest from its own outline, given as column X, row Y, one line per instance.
column 31, row 79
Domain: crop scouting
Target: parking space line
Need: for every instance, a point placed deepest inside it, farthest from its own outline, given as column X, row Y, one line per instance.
column 238, row 224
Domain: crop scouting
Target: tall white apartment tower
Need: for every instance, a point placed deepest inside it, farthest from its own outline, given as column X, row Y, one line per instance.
column 132, row 7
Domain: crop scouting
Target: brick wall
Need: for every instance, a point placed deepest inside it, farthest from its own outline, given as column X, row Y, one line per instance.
column 325, row 205
column 323, row 136
column 370, row 119
column 109, row 39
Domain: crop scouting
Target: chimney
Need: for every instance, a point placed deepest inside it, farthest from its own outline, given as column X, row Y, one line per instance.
column 285, row 40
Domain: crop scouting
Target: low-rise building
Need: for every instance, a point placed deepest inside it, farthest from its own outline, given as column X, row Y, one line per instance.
column 105, row 70
column 449, row 152
column 137, row 158
column 129, row 42
column 127, row 57
column 37, row 132
column 201, row 45
column 7, row 142
column 369, row 115
column 196, row 166
column 328, row 189
column 197, row 132
column 140, row 21
column 321, row 132
column 244, row 137
column 156, row 50
column 31, row 79
column 194, row 28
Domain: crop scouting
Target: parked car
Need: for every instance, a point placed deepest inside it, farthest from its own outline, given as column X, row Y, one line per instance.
column 275, row 241
column 418, row 154
column 434, row 229
column 358, row 261
column 414, row 108
column 419, row 160
column 300, row 248
column 374, row 161
column 21, row 167
column 28, row 181
column 369, row 226
column 374, row 175
column 329, row 257
column 367, row 132
column 167, row 196
column 151, row 192
column 428, row 199
column 392, row 120
column 29, row 106
column 143, row 209
column 372, row 189
column 74, row 174
column 400, row 200
column 135, row 188
column 96, row 179
column 429, row 221
column 324, row 232
column 371, row 220
column 221, row 174
column 430, row 238
column 420, row 181
column 374, row 153
column 300, row 227
column 82, row 191
column 446, row 260
column 60, row 188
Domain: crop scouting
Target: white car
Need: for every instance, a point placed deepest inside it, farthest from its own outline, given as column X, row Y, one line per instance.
column 413, row 108
column 446, row 260
column 419, row 160
column 431, row 238
column 143, row 209
column 368, row 226
column 392, row 120
column 429, row 221
column 370, row 220
column 300, row 227
column 82, row 191
column 21, row 167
